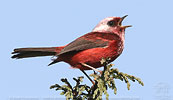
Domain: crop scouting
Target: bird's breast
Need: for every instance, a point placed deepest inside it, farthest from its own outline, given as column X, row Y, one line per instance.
column 116, row 47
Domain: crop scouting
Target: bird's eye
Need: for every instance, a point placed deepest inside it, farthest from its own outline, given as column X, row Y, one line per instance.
column 111, row 23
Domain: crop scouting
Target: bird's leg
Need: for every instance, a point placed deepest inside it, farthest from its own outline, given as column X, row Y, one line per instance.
column 87, row 76
column 94, row 72
column 91, row 67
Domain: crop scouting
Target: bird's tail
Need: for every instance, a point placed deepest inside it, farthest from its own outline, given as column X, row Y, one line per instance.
column 35, row 52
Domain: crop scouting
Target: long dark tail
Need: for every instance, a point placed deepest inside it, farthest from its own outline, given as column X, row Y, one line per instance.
column 35, row 52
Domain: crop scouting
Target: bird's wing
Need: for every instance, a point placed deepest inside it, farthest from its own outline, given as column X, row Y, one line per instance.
column 88, row 41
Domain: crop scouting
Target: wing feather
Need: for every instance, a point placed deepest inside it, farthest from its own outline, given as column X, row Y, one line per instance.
column 88, row 41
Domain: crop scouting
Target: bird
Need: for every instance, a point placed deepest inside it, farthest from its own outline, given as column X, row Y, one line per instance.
column 106, row 40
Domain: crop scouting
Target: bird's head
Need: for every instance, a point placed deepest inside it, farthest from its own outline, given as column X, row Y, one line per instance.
column 111, row 25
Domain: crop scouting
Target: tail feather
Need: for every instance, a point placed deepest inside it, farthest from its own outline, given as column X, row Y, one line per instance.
column 35, row 52
column 48, row 49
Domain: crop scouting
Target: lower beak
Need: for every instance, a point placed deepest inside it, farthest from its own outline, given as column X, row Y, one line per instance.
column 126, row 26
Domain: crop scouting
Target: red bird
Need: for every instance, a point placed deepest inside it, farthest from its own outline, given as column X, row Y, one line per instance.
column 85, row 53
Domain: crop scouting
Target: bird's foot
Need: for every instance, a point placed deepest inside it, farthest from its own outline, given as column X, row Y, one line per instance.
column 91, row 67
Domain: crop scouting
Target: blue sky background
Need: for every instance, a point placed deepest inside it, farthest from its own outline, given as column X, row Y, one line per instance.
column 33, row 23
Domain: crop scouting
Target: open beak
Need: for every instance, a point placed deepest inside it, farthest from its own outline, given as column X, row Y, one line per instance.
column 120, row 22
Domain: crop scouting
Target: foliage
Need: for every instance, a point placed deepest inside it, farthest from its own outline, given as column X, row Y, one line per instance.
column 103, row 81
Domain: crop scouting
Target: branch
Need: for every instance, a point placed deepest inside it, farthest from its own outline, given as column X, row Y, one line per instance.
column 103, row 81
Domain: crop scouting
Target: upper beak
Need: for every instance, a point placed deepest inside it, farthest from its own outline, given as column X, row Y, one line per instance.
column 120, row 22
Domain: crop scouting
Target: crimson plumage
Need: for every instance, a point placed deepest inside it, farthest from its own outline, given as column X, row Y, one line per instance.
column 105, row 41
